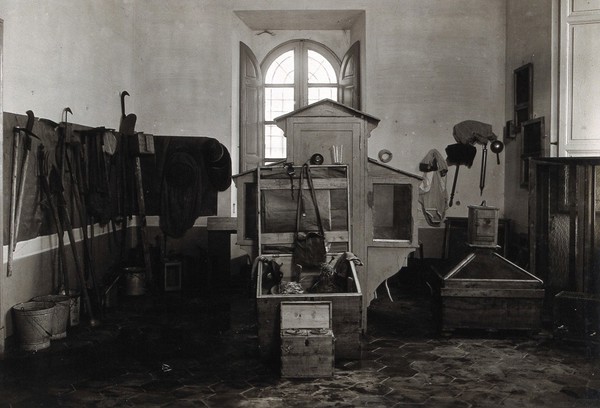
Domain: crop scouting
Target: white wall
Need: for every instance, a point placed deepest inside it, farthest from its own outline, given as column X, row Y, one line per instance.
column 529, row 40
column 428, row 64
column 56, row 54
column 67, row 53
column 182, row 70
column 431, row 65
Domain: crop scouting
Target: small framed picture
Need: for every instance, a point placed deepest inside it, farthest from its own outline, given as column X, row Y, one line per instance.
column 509, row 130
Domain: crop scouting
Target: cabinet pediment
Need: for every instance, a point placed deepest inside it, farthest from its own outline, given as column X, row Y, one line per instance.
column 328, row 108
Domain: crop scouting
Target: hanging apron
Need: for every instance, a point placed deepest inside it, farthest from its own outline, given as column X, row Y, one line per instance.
column 433, row 195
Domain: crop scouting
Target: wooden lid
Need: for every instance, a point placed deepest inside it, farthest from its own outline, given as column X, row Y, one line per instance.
column 306, row 315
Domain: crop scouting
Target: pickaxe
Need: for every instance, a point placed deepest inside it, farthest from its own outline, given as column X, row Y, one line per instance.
column 18, row 190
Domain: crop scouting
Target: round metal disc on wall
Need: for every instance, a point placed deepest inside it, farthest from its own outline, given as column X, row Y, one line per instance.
column 385, row 156
column 316, row 159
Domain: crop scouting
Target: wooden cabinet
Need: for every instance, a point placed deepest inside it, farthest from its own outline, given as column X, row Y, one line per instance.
column 382, row 200
column 564, row 229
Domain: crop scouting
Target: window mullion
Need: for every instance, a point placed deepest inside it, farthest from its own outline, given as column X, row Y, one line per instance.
column 301, row 79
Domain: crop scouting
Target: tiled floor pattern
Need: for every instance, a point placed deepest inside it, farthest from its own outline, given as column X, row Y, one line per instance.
column 184, row 351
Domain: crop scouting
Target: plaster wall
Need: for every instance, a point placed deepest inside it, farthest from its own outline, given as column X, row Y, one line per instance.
column 58, row 54
column 427, row 65
column 431, row 65
column 67, row 53
column 182, row 70
column 529, row 40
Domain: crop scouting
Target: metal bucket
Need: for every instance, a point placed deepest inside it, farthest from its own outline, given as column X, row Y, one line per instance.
column 33, row 321
column 110, row 298
column 135, row 280
column 60, row 316
column 74, row 307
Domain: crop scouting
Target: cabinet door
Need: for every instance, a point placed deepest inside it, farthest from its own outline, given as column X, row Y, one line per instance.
column 310, row 135
column 579, row 78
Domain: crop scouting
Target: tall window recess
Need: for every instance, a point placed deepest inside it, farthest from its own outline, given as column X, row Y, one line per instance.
column 294, row 74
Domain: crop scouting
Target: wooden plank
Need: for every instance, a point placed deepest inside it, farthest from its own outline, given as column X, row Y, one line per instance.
column 491, row 313
column 492, row 284
column 319, row 184
column 288, row 237
column 497, row 293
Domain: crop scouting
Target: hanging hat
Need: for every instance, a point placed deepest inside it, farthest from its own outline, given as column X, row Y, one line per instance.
column 460, row 154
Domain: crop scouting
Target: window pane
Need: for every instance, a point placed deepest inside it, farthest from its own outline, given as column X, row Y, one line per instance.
column 274, row 142
column 392, row 212
column 278, row 101
column 320, row 70
column 317, row 93
column 281, row 71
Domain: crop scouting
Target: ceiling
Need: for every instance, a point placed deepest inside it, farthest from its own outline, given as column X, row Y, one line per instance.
column 299, row 19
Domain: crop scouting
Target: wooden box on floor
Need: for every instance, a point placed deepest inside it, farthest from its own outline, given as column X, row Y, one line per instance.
column 577, row 317
column 345, row 310
column 486, row 291
column 307, row 341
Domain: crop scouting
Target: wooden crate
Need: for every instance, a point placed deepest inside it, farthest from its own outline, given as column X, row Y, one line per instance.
column 483, row 226
column 345, row 310
column 577, row 318
column 307, row 341
column 486, row 291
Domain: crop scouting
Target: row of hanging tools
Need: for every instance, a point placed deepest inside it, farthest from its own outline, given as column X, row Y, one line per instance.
column 51, row 179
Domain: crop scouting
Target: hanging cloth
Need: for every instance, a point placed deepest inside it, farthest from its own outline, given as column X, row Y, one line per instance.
column 180, row 192
column 433, row 195
column 472, row 131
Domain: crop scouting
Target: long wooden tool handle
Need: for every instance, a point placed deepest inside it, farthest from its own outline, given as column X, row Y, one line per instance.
column 453, row 186
column 21, row 190
column 13, row 203
column 142, row 217
column 86, row 297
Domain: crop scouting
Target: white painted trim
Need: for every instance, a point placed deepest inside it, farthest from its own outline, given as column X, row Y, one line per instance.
column 41, row 244
column 38, row 245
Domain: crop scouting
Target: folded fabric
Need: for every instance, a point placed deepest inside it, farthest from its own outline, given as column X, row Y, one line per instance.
column 472, row 131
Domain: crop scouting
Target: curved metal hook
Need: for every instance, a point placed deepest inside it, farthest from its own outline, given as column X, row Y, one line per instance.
column 65, row 114
column 123, row 94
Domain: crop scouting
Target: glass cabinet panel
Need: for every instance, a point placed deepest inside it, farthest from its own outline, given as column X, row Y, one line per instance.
column 392, row 212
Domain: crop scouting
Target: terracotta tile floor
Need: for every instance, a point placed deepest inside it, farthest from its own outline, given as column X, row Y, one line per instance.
column 185, row 351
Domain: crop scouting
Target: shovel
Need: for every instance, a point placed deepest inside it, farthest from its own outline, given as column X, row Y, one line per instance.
column 459, row 154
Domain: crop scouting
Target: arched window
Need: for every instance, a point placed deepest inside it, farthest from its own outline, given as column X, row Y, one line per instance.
column 296, row 74
column 293, row 75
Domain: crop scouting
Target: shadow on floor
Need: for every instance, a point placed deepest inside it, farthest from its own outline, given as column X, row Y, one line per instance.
column 192, row 350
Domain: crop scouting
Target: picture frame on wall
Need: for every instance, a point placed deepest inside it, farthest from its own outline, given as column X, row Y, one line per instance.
column 532, row 145
column 523, row 95
column 509, row 130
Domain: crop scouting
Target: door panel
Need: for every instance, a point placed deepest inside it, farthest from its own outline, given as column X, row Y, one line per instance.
column 349, row 79
column 251, row 107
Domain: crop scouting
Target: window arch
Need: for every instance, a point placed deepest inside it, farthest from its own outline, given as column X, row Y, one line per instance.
column 296, row 74
column 256, row 125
